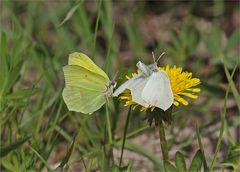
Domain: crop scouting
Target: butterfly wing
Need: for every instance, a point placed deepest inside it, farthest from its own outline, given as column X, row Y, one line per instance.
column 157, row 91
column 135, row 85
column 83, row 100
column 84, row 91
column 136, row 90
column 84, row 61
column 77, row 76
column 125, row 85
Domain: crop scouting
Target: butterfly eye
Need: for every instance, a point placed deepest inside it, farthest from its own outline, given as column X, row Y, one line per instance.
column 112, row 84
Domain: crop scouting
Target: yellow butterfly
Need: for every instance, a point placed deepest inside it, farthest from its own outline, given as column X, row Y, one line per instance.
column 87, row 85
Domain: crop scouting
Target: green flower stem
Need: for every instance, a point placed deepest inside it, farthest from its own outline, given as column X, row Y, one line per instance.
column 163, row 140
column 125, row 134
column 108, row 123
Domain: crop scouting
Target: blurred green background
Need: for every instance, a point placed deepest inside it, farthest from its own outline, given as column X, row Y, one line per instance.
column 36, row 37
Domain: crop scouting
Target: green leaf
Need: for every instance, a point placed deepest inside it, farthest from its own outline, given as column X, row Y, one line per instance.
column 116, row 168
column 233, row 161
column 22, row 94
column 130, row 165
column 202, row 150
column 213, row 42
column 192, row 39
column 236, row 148
column 20, row 46
column 233, row 41
column 7, row 149
column 169, row 167
column 196, row 163
column 180, row 162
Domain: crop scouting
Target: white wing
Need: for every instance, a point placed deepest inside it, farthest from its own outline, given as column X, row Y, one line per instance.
column 136, row 90
column 157, row 91
column 135, row 85
column 125, row 85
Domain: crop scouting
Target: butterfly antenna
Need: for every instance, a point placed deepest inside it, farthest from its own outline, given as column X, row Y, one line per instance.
column 160, row 57
column 115, row 76
column 154, row 59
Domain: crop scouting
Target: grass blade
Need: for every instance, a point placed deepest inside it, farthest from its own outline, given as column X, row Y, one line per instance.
column 41, row 158
column 69, row 14
column 65, row 160
column 96, row 28
column 232, row 85
column 223, row 114
column 7, row 149
column 22, row 94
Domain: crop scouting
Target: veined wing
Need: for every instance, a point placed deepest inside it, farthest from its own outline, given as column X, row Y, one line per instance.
column 77, row 76
column 83, row 100
column 157, row 91
column 84, row 61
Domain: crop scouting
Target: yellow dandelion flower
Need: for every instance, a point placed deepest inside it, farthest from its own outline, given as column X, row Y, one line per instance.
column 182, row 84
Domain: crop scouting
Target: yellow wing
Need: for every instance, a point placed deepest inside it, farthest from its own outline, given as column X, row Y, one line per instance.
column 76, row 76
column 83, row 100
column 84, row 61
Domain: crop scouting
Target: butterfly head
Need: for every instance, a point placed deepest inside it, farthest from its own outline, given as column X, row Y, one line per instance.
column 110, row 87
column 112, row 84
column 153, row 67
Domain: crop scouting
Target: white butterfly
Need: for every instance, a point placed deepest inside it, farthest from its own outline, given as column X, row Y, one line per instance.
column 151, row 87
